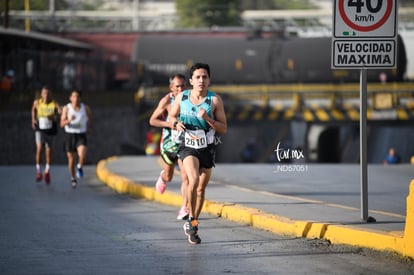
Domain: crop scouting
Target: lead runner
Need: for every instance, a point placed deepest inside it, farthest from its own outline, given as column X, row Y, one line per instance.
column 197, row 113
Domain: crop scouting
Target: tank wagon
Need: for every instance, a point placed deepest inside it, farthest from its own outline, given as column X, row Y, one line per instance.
column 240, row 61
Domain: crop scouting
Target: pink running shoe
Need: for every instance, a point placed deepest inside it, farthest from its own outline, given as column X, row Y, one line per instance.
column 183, row 213
column 160, row 186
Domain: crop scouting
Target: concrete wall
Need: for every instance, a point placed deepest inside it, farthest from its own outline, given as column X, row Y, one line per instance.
column 114, row 131
column 121, row 131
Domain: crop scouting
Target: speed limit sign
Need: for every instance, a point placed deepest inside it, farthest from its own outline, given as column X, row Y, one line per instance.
column 364, row 34
column 365, row 18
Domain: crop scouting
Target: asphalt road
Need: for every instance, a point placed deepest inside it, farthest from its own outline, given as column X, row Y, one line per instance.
column 91, row 230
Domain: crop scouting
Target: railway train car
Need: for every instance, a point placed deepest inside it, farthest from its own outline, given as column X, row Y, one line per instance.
column 240, row 60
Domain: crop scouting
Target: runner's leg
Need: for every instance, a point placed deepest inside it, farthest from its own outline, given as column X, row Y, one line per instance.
column 191, row 166
column 71, row 164
column 201, row 189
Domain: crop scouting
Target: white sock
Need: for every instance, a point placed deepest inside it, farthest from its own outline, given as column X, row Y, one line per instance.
column 37, row 167
column 47, row 168
column 79, row 165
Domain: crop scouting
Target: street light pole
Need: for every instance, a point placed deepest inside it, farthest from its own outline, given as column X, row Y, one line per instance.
column 52, row 10
column 135, row 19
column 6, row 14
column 27, row 20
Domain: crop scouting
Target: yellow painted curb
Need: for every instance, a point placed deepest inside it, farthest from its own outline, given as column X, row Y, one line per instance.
column 336, row 234
column 364, row 238
column 123, row 185
column 409, row 223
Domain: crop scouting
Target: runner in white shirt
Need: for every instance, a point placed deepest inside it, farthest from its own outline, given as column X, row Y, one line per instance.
column 76, row 119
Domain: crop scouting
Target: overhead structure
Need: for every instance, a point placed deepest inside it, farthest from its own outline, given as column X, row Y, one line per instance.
column 11, row 37
column 37, row 59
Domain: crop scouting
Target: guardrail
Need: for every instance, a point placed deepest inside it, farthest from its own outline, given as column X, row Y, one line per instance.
column 380, row 96
column 300, row 96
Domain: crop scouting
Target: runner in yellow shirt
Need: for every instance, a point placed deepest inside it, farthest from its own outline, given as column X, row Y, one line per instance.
column 45, row 111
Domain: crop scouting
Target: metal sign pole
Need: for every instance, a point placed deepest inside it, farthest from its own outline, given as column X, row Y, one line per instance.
column 358, row 25
column 363, row 144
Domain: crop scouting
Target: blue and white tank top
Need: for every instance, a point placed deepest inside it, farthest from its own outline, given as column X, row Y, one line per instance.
column 198, row 133
column 189, row 111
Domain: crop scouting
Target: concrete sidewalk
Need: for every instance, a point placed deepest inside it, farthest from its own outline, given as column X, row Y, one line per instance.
column 281, row 214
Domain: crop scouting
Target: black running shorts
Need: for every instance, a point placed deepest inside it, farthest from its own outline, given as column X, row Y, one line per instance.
column 73, row 141
column 206, row 156
column 45, row 138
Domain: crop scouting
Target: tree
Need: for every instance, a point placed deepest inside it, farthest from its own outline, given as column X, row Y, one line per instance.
column 208, row 13
column 38, row 4
column 201, row 13
column 258, row 5
column 275, row 4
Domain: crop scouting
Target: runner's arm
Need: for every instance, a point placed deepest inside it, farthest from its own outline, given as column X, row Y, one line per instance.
column 34, row 113
column 89, row 114
column 219, row 123
column 64, row 117
column 174, row 114
column 155, row 119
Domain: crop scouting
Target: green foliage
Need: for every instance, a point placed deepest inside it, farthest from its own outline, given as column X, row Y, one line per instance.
column 406, row 3
column 207, row 13
column 292, row 4
column 92, row 5
column 258, row 5
column 201, row 13
column 275, row 4
column 37, row 4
